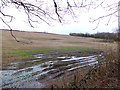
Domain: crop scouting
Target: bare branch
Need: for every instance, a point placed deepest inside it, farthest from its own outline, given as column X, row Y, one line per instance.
column 99, row 4
column 97, row 25
column 40, row 18
column 105, row 16
column 109, row 20
column 10, row 29
column 56, row 11
column 5, row 15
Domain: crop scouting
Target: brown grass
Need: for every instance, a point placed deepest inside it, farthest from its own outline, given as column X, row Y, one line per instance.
column 41, row 40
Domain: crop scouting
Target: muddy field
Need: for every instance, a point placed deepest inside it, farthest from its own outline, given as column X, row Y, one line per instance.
column 41, row 57
column 34, row 73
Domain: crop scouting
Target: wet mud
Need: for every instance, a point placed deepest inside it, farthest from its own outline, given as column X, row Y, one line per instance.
column 33, row 73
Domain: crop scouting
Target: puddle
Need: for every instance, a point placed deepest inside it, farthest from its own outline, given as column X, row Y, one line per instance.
column 42, row 69
column 39, row 55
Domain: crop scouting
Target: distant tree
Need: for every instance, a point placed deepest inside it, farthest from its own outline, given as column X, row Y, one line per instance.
column 107, row 36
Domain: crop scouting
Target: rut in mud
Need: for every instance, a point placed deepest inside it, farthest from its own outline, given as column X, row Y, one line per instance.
column 32, row 73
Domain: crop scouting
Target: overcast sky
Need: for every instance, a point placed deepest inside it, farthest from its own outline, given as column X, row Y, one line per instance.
column 81, row 26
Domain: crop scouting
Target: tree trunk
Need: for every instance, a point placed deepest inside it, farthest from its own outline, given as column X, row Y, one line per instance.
column 119, row 45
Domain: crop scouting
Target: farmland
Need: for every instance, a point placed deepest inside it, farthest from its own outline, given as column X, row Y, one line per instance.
column 38, row 43
column 40, row 55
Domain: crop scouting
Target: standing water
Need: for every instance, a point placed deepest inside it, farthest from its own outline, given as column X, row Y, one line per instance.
column 32, row 74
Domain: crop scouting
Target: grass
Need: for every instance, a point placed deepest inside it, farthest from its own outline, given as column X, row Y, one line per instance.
column 103, row 76
column 31, row 43
column 39, row 43
column 27, row 54
column 19, row 52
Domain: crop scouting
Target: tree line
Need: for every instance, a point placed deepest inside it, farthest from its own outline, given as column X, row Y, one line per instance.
column 103, row 35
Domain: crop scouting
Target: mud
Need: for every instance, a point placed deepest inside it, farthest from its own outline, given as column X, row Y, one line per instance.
column 34, row 73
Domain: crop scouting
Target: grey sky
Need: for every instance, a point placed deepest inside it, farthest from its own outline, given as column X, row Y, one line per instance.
column 82, row 24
